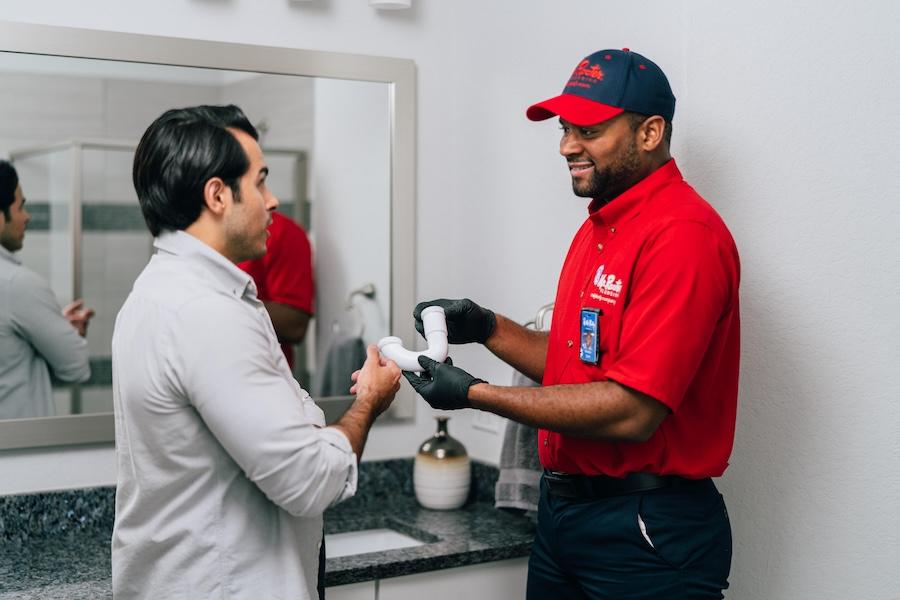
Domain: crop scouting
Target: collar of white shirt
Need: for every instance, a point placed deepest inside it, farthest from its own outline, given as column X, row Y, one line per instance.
column 224, row 273
column 6, row 254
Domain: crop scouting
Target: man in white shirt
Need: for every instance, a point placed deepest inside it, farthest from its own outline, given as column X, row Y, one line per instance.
column 37, row 337
column 225, row 465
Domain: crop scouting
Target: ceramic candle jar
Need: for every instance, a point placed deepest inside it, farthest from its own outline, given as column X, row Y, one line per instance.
column 442, row 471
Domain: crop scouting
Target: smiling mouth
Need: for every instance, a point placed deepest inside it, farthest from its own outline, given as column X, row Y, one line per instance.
column 579, row 168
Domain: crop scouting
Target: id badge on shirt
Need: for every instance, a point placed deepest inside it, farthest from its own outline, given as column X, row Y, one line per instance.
column 590, row 336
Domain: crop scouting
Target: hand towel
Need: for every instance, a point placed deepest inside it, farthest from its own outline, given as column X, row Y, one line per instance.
column 518, row 485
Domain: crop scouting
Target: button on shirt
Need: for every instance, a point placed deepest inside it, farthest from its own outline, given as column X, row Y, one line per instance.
column 35, row 340
column 224, row 464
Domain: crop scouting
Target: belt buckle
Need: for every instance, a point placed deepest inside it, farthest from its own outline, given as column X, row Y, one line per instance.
column 561, row 486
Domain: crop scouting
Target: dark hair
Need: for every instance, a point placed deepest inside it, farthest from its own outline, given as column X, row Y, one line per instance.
column 635, row 120
column 179, row 153
column 9, row 181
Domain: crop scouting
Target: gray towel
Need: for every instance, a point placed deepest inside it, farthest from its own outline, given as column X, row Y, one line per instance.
column 345, row 355
column 518, row 485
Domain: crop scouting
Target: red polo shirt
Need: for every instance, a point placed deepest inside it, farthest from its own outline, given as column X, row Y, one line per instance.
column 285, row 274
column 663, row 269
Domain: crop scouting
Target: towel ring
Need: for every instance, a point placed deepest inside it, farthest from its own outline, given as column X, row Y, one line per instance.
column 538, row 322
column 367, row 290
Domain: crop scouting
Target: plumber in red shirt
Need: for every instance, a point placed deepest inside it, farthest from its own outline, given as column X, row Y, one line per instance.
column 639, row 372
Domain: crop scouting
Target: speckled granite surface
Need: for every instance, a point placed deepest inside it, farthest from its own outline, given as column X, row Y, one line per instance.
column 56, row 515
column 57, row 545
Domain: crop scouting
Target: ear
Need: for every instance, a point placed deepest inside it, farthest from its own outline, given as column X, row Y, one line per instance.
column 651, row 132
column 216, row 195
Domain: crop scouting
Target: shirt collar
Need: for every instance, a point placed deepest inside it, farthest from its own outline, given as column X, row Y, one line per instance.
column 628, row 204
column 221, row 270
column 7, row 255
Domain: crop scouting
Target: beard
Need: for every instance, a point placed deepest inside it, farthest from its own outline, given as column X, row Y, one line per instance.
column 606, row 184
column 10, row 240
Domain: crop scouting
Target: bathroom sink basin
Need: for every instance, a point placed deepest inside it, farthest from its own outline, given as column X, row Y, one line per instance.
column 367, row 540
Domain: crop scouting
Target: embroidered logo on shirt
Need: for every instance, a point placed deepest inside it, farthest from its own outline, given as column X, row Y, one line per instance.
column 608, row 284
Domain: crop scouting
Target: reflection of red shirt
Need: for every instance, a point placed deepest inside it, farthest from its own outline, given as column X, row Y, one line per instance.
column 662, row 268
column 285, row 274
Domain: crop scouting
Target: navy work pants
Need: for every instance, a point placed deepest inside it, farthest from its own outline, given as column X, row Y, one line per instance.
column 671, row 543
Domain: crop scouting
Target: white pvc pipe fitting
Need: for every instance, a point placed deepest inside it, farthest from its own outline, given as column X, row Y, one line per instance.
column 435, row 326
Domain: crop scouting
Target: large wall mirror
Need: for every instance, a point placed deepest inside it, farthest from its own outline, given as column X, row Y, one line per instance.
column 338, row 134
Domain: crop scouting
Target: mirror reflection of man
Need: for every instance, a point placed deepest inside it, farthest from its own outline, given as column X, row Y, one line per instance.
column 225, row 464
column 37, row 337
column 284, row 281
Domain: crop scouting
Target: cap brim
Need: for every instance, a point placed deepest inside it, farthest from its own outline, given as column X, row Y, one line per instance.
column 574, row 109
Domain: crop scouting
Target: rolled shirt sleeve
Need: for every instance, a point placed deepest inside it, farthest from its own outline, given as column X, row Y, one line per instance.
column 238, row 381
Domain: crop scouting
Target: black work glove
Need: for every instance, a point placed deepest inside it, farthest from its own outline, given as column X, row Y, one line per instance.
column 466, row 321
column 443, row 386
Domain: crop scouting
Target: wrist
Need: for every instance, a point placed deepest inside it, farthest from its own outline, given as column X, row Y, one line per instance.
column 477, row 392
column 362, row 412
column 490, row 324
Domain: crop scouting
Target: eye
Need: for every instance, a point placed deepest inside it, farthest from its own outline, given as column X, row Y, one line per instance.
column 585, row 132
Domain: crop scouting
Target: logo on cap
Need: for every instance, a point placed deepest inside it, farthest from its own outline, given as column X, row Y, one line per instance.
column 585, row 75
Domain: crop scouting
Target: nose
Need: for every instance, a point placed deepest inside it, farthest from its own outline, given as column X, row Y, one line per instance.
column 271, row 202
column 570, row 144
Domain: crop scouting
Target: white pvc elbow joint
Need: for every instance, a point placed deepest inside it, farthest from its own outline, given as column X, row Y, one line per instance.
column 435, row 326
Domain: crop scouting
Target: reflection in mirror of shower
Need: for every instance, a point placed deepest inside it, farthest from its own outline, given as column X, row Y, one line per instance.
column 99, row 255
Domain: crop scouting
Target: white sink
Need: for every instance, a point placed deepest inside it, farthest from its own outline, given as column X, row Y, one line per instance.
column 367, row 540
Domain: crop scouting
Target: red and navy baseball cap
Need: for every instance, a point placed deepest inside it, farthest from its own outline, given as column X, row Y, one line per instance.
column 606, row 84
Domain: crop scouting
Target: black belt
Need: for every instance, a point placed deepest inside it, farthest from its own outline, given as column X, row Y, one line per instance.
column 587, row 487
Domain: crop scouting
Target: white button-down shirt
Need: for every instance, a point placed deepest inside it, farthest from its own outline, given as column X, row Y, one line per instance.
column 224, row 464
column 35, row 340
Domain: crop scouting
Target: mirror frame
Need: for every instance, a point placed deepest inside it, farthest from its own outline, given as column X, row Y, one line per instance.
column 398, row 73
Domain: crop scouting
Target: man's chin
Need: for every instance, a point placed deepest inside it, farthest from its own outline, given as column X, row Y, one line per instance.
column 12, row 245
column 251, row 254
column 583, row 191
column 263, row 248
column 258, row 254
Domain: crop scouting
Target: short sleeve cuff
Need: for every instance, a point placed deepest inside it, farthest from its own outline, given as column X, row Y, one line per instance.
column 659, row 394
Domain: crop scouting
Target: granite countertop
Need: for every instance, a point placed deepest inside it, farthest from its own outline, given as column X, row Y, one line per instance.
column 63, row 552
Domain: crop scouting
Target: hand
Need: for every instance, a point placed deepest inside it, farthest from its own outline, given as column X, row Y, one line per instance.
column 441, row 384
column 466, row 321
column 78, row 315
column 377, row 382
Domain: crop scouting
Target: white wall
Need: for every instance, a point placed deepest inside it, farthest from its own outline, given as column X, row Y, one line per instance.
column 787, row 122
